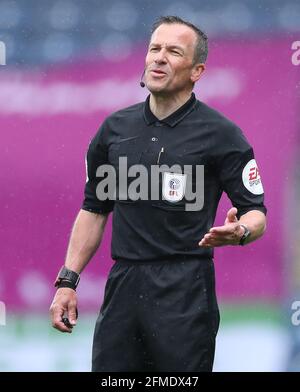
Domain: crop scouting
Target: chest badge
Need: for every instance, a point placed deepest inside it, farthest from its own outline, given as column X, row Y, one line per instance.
column 173, row 186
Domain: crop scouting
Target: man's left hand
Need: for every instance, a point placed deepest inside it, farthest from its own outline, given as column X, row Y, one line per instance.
column 229, row 234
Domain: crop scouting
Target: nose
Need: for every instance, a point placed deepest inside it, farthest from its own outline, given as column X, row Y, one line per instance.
column 160, row 57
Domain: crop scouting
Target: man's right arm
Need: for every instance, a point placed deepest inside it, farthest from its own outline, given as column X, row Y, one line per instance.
column 85, row 239
column 87, row 231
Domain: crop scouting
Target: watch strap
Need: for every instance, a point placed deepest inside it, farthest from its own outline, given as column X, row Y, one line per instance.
column 67, row 276
column 245, row 235
column 66, row 283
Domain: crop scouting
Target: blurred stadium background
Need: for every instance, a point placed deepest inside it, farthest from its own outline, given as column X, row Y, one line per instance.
column 72, row 62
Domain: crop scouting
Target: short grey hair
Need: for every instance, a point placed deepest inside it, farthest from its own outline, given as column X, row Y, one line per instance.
column 201, row 48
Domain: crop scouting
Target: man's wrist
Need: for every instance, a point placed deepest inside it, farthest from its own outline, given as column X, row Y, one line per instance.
column 245, row 237
column 67, row 278
column 65, row 284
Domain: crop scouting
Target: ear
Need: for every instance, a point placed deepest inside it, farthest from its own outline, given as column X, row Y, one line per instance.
column 197, row 71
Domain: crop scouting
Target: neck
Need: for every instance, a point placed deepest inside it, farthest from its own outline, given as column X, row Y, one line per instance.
column 163, row 106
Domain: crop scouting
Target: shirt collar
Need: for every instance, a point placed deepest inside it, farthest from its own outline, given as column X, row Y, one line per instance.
column 174, row 118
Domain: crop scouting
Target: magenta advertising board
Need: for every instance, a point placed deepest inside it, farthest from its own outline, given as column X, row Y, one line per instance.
column 47, row 118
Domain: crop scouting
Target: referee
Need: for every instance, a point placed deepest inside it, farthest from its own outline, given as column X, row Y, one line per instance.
column 160, row 311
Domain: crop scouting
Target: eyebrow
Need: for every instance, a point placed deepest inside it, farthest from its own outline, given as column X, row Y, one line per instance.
column 168, row 46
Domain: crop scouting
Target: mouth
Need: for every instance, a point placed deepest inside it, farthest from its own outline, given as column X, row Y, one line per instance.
column 157, row 74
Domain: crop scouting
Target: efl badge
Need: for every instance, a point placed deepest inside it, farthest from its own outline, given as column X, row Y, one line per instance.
column 173, row 186
column 251, row 178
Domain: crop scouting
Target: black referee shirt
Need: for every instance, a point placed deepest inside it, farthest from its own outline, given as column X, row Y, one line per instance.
column 195, row 134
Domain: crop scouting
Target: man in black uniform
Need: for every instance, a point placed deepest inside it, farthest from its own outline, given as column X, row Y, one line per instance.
column 160, row 311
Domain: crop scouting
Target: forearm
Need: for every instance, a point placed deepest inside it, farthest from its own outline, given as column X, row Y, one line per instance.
column 256, row 222
column 85, row 239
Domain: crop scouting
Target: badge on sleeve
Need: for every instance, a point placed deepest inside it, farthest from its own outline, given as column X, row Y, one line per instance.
column 251, row 178
column 173, row 186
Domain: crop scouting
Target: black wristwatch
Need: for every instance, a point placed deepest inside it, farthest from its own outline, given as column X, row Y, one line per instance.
column 245, row 235
column 67, row 278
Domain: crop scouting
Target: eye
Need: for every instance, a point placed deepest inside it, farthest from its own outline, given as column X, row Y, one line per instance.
column 175, row 52
column 153, row 49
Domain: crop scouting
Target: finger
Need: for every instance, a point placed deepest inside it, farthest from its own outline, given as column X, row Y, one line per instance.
column 72, row 312
column 204, row 244
column 206, row 241
column 223, row 239
column 228, row 229
column 61, row 326
column 226, row 222
column 57, row 323
column 214, row 235
column 208, row 244
column 231, row 214
column 207, row 236
column 214, row 243
column 217, row 236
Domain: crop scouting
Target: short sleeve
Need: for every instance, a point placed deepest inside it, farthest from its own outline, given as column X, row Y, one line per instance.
column 95, row 157
column 239, row 174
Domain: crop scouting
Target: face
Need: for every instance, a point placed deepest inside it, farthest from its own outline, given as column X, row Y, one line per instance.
column 169, row 61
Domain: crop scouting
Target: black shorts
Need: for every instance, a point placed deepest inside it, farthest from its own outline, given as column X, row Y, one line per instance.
column 157, row 316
